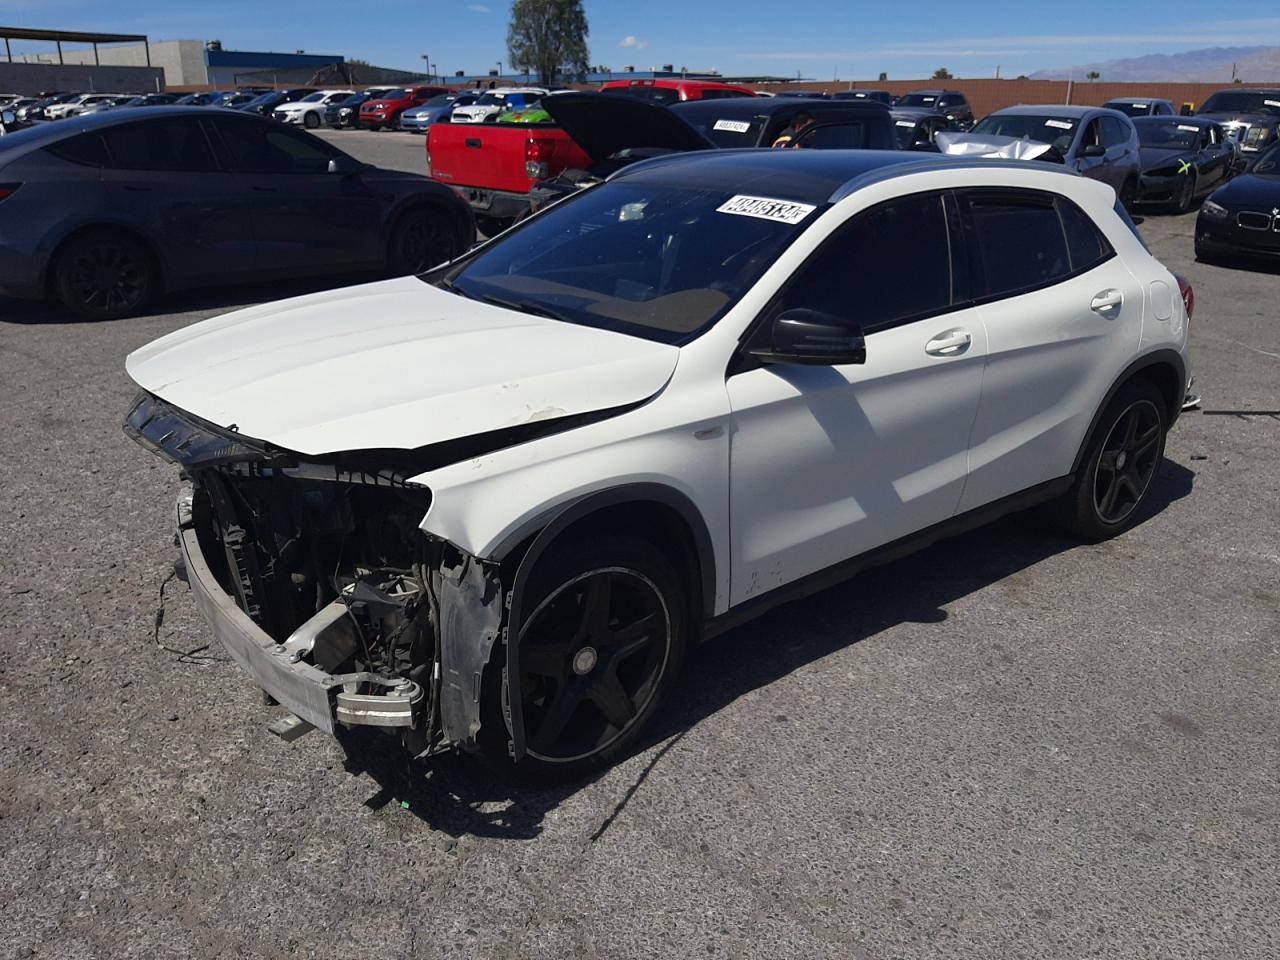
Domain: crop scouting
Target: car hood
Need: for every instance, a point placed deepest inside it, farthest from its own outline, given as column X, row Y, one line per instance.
column 602, row 125
column 398, row 364
column 989, row 145
column 1153, row 158
column 1250, row 190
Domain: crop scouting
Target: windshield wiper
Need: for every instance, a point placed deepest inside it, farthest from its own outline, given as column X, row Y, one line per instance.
column 533, row 309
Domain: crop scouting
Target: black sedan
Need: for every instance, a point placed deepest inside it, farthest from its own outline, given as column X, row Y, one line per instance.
column 1183, row 159
column 1243, row 217
column 103, row 213
column 266, row 102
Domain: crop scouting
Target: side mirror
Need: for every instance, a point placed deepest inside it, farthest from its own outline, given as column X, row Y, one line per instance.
column 344, row 166
column 813, row 337
column 1093, row 150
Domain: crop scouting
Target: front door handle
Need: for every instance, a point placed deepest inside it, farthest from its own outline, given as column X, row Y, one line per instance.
column 1106, row 300
column 949, row 343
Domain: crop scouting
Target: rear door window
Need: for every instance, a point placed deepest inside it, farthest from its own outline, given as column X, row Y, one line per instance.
column 1086, row 245
column 253, row 147
column 1114, row 133
column 177, row 144
column 1017, row 242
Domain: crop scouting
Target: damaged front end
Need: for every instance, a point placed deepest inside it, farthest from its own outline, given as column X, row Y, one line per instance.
column 317, row 579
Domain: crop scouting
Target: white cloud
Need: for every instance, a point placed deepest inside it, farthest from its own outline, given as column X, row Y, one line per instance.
column 477, row 8
column 635, row 43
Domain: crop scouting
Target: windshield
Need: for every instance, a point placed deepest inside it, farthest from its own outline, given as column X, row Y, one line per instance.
column 1130, row 108
column 723, row 132
column 904, row 133
column 491, row 98
column 662, row 95
column 1055, row 130
column 440, row 100
column 1268, row 163
column 659, row 262
column 264, row 99
column 1168, row 134
column 393, row 95
column 919, row 100
column 1232, row 101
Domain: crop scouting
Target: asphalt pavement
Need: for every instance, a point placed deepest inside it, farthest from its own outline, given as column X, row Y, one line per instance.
column 1008, row 746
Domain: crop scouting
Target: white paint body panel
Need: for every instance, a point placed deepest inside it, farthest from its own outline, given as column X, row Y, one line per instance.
column 790, row 468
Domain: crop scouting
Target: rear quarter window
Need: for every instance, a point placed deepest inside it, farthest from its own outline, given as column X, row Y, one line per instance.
column 87, row 149
column 1018, row 242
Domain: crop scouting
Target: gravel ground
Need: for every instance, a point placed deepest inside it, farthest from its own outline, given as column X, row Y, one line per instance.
column 1008, row 746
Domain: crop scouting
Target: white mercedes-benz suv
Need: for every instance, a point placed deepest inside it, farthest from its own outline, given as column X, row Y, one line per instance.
column 490, row 507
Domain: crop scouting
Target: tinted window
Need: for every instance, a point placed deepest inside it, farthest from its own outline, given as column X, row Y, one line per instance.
column 1086, row 245
column 888, row 265
column 159, row 145
column 1018, row 241
column 87, row 148
column 1130, row 109
column 722, row 94
column 1114, row 133
column 269, row 148
column 662, row 95
column 1231, row 101
column 919, row 100
column 836, row 136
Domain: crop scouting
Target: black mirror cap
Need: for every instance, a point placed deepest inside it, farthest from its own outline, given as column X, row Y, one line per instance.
column 809, row 336
column 1093, row 150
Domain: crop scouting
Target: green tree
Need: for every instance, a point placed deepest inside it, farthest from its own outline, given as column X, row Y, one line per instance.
column 549, row 38
column 1092, row 75
column 942, row 73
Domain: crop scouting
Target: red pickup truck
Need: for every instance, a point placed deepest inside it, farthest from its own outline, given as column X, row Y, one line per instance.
column 493, row 166
column 385, row 111
column 669, row 90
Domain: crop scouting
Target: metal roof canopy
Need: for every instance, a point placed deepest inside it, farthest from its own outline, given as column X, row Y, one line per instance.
column 71, row 36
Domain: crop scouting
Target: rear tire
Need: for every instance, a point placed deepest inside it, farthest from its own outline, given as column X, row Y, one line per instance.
column 1120, row 464
column 104, row 275
column 421, row 239
column 603, row 641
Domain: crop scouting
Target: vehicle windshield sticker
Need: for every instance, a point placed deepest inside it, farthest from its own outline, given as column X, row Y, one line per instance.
column 1059, row 124
column 1188, row 128
column 906, row 123
column 1139, row 106
column 1272, row 103
column 735, row 126
column 766, row 208
column 928, row 99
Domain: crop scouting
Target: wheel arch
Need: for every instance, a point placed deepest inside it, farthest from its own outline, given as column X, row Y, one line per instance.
column 1165, row 368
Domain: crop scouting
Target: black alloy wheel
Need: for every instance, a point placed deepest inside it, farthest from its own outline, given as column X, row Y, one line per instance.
column 600, row 646
column 1127, row 464
column 104, row 275
column 592, row 657
column 1120, row 464
column 1185, row 195
column 422, row 239
column 311, row 119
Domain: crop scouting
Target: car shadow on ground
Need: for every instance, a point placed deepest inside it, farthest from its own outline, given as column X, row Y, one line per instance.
column 456, row 796
column 214, row 299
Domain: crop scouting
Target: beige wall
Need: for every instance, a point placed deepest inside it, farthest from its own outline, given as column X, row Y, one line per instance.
column 181, row 60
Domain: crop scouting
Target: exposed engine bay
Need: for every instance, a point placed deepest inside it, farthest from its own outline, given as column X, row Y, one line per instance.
column 329, row 562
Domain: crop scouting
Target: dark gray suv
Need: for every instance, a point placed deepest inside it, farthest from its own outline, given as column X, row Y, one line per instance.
column 103, row 213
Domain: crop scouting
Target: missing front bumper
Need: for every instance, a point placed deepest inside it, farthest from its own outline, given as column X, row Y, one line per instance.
column 320, row 698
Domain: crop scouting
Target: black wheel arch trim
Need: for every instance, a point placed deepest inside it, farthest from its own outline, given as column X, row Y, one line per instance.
column 637, row 493
column 1156, row 358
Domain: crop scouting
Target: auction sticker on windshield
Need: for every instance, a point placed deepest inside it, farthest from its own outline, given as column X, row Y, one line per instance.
column 735, row 126
column 765, row 208
column 1188, row 128
column 1060, row 124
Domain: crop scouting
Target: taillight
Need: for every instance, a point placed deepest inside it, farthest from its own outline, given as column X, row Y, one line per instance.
column 8, row 189
column 1188, row 294
column 537, row 153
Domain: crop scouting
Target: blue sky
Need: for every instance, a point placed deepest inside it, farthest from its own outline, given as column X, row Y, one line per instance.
column 819, row 38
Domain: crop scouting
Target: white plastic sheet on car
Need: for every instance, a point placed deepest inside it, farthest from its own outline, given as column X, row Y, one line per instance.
column 988, row 145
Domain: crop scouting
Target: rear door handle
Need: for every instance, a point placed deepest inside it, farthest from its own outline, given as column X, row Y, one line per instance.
column 949, row 343
column 1106, row 300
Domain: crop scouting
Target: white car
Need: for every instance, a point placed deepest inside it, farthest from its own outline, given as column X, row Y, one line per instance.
column 74, row 106
column 494, row 102
column 491, row 506
column 309, row 111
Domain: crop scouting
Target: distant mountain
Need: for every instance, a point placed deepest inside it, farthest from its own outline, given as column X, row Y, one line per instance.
column 1212, row 65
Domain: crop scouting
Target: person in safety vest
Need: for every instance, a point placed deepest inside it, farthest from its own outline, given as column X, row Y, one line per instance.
column 791, row 135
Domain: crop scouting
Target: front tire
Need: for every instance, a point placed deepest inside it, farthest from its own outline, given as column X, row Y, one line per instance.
column 602, row 643
column 105, row 275
column 1120, row 464
column 1186, row 195
column 421, row 239
column 1129, row 194
column 310, row 120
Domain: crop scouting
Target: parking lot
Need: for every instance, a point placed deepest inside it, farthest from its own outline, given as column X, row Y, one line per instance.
column 1010, row 745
